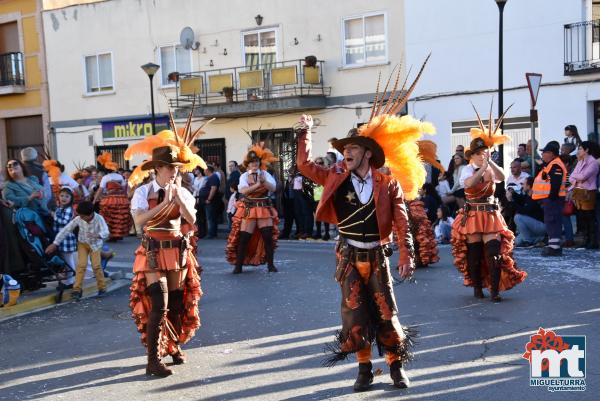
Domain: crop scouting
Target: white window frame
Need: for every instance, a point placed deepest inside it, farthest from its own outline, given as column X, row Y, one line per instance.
column 112, row 74
column 343, row 37
column 274, row 28
column 159, row 62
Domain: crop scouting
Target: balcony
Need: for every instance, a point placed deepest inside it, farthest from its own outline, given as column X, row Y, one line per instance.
column 12, row 79
column 283, row 86
column 582, row 47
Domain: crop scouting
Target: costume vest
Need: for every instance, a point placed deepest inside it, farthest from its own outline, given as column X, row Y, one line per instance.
column 541, row 184
column 356, row 221
column 168, row 220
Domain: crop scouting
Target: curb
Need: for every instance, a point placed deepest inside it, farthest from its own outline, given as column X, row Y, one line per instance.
column 48, row 301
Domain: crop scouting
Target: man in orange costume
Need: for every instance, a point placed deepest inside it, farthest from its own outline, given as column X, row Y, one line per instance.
column 366, row 206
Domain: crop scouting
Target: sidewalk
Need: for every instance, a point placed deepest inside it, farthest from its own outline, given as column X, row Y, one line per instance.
column 32, row 301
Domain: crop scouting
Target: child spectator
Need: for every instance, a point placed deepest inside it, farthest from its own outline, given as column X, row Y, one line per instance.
column 92, row 231
column 233, row 188
column 443, row 187
column 443, row 225
column 63, row 216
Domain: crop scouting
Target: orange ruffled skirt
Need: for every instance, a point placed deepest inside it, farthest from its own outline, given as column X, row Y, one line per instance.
column 483, row 222
column 115, row 210
column 255, row 254
column 141, row 305
column 425, row 243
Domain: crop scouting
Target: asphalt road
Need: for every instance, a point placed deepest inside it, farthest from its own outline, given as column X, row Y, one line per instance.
column 262, row 335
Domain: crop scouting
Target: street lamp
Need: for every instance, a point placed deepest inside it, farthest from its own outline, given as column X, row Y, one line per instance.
column 150, row 69
column 500, row 4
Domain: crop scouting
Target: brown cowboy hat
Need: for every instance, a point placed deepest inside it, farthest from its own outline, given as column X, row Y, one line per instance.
column 475, row 146
column 378, row 158
column 164, row 155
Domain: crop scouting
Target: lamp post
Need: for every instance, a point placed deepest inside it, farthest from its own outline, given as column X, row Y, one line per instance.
column 150, row 70
column 500, row 4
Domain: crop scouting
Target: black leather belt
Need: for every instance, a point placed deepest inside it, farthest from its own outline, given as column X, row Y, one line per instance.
column 481, row 207
column 257, row 202
column 151, row 244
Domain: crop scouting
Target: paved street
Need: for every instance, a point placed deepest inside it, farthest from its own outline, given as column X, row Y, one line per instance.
column 263, row 335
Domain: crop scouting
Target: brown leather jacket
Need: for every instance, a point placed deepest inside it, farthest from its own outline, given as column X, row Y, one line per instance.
column 389, row 199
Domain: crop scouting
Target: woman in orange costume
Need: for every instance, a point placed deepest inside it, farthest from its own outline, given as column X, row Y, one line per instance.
column 254, row 232
column 166, row 286
column 482, row 243
column 114, row 203
column 426, row 250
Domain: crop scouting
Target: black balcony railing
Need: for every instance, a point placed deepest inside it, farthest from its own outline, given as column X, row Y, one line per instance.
column 11, row 69
column 276, row 80
column 582, row 47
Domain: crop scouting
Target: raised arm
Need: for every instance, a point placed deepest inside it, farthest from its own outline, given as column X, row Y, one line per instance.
column 304, row 154
column 499, row 175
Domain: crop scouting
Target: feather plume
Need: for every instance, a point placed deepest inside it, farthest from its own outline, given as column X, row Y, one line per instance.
column 53, row 170
column 380, row 105
column 164, row 138
column 398, row 138
column 428, row 153
column 137, row 176
column 265, row 155
column 399, row 104
column 105, row 159
column 491, row 135
column 376, row 97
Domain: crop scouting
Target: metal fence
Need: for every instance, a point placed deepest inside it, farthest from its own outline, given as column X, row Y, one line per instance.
column 582, row 47
column 11, row 69
column 257, row 82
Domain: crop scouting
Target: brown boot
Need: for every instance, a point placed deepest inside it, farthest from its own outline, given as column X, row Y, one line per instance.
column 364, row 380
column 398, row 375
column 492, row 251
column 175, row 313
column 474, row 255
column 179, row 357
column 241, row 251
column 267, row 236
column 158, row 295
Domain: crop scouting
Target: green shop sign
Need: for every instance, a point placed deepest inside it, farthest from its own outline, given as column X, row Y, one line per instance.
column 132, row 128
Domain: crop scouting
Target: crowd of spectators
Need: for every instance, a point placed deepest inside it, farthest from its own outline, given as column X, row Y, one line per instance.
column 568, row 217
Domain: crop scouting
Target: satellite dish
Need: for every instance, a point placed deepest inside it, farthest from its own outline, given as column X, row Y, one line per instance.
column 186, row 38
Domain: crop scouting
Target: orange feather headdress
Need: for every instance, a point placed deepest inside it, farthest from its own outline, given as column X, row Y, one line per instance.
column 398, row 136
column 52, row 167
column 180, row 140
column 491, row 135
column 428, row 153
column 105, row 160
column 258, row 151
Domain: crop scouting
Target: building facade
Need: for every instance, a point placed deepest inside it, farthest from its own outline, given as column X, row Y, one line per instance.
column 24, row 115
column 559, row 39
column 242, row 63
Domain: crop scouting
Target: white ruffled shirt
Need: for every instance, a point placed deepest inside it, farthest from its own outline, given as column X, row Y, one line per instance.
column 139, row 202
column 244, row 179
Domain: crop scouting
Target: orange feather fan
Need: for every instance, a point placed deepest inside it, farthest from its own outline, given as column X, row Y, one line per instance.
column 51, row 167
column 428, row 153
column 105, row 159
